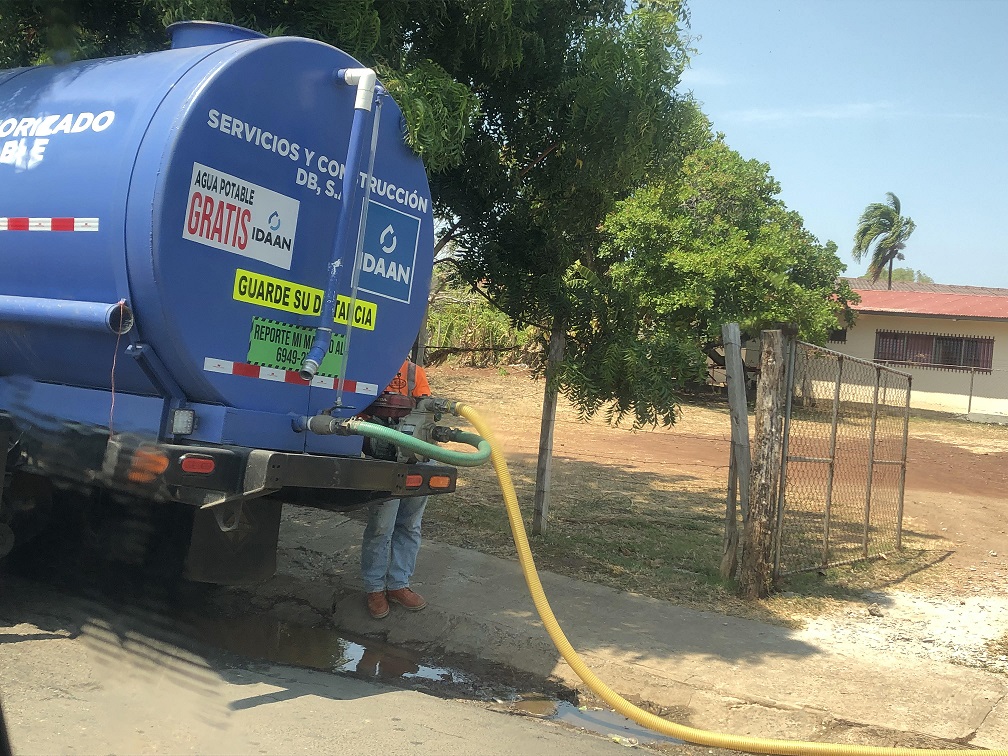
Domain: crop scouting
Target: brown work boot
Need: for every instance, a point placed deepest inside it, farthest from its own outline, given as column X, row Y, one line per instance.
column 377, row 605
column 407, row 598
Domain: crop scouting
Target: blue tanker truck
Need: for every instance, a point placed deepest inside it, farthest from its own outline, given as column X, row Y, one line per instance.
column 210, row 257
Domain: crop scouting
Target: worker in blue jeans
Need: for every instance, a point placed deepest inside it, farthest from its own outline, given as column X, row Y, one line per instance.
column 389, row 554
column 392, row 535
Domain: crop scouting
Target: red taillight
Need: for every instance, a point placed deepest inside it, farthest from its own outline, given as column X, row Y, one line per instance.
column 414, row 481
column 439, row 481
column 197, row 465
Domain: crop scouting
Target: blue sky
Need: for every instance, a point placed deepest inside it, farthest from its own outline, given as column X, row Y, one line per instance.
column 849, row 99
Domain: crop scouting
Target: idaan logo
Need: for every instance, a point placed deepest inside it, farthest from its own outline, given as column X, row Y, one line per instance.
column 271, row 235
column 390, row 248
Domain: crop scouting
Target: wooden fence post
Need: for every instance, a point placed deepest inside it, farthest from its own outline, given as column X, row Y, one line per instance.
column 756, row 575
column 739, row 460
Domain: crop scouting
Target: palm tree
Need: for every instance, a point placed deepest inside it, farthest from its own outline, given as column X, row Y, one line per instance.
column 882, row 225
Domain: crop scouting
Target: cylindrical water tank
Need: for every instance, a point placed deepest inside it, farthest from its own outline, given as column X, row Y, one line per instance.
column 201, row 187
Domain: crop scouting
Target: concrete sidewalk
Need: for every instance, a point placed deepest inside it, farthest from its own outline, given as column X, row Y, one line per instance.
column 712, row 671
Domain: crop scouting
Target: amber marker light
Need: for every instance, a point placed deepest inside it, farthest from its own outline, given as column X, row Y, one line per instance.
column 146, row 465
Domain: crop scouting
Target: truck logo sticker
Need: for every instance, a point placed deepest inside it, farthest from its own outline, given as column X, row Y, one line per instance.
column 235, row 215
column 48, row 224
column 391, row 238
column 283, row 346
column 227, row 367
column 277, row 294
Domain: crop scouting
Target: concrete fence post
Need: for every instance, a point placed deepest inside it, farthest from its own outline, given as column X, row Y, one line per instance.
column 739, row 458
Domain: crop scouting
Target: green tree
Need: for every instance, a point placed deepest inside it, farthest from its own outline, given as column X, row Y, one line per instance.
column 911, row 276
column 711, row 245
column 883, row 232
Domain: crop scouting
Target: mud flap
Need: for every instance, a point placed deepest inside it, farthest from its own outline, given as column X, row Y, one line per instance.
column 234, row 544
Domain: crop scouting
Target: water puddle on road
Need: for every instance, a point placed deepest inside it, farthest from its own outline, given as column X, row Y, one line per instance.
column 267, row 639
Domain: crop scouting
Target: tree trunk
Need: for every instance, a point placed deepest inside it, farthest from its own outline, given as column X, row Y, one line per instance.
column 557, row 342
column 890, row 274
column 756, row 575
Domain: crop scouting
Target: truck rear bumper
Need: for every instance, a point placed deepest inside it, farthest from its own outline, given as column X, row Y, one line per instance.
column 210, row 476
column 280, row 472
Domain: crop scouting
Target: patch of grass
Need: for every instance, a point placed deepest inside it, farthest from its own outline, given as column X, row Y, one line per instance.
column 611, row 540
column 950, row 429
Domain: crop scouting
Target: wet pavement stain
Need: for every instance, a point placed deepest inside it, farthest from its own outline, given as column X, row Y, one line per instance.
column 594, row 719
column 607, row 722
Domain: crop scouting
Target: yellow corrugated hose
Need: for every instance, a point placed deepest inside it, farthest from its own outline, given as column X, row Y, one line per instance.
column 620, row 704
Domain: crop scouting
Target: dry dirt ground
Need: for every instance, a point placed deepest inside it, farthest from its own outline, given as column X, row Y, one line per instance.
column 954, row 608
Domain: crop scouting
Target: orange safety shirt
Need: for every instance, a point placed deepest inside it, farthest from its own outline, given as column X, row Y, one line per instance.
column 400, row 384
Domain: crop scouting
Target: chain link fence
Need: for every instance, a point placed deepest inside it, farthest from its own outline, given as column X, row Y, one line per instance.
column 844, row 461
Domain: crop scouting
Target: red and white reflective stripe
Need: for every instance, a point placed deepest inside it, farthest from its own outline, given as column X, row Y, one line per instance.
column 48, row 224
column 228, row 367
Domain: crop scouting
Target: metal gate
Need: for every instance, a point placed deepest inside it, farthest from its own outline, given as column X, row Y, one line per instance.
column 844, row 460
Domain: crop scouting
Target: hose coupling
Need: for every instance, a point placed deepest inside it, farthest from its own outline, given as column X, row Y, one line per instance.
column 322, row 425
column 437, row 405
column 308, row 369
column 443, row 434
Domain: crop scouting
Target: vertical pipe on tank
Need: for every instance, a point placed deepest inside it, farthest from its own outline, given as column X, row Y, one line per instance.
column 365, row 80
column 358, row 254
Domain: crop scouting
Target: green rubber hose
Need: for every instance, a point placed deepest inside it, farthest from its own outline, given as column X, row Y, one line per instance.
column 423, row 448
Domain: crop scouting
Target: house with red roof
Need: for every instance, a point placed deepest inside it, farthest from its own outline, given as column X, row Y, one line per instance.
column 953, row 340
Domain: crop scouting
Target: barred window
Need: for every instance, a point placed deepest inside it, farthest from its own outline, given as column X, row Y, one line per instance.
column 942, row 351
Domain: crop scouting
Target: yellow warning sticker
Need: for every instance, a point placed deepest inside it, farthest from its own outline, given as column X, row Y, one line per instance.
column 277, row 294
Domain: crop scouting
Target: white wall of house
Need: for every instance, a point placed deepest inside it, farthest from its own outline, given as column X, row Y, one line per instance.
column 943, row 389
